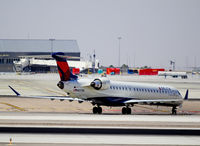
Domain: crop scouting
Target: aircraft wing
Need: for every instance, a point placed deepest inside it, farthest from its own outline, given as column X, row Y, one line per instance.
column 61, row 98
column 135, row 101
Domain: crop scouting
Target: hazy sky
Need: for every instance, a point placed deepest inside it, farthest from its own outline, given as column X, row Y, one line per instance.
column 153, row 31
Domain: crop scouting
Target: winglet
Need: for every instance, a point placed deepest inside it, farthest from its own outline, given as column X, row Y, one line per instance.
column 186, row 95
column 14, row 91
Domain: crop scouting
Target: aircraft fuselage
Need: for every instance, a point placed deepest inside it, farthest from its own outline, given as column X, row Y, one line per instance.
column 116, row 93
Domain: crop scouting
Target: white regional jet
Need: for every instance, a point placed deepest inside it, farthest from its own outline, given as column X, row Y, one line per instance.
column 104, row 92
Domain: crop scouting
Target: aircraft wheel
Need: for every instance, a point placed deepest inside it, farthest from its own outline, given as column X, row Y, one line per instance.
column 99, row 110
column 95, row 110
column 128, row 110
column 174, row 111
column 124, row 110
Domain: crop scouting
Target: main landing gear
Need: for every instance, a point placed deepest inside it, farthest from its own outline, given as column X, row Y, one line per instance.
column 97, row 110
column 174, row 110
column 126, row 110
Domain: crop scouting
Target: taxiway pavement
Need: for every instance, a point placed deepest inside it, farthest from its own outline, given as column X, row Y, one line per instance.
column 37, row 113
column 87, row 129
column 26, row 119
column 45, row 84
column 96, row 140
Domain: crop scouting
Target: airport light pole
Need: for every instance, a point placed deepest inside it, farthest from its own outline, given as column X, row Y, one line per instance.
column 173, row 64
column 119, row 38
column 52, row 44
column 93, row 62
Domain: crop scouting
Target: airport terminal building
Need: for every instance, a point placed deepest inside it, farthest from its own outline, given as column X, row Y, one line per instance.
column 12, row 50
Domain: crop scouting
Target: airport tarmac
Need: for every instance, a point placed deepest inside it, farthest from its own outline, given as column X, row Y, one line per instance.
column 17, row 112
column 45, row 84
column 87, row 129
column 96, row 140
column 106, row 120
column 41, row 83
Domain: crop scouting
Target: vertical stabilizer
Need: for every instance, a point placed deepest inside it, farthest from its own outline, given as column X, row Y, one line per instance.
column 63, row 67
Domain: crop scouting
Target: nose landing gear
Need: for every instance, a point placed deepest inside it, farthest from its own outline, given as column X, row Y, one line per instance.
column 174, row 110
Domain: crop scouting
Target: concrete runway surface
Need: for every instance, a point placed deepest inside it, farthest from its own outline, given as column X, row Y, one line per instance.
column 77, row 139
column 84, row 129
column 105, row 121
column 15, row 112
column 45, row 84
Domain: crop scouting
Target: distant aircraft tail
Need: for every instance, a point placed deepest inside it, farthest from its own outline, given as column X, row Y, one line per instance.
column 63, row 67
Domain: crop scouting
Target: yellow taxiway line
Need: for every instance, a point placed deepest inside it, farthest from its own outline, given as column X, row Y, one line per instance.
column 13, row 106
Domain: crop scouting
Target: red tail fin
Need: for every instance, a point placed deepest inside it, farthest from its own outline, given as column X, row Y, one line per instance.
column 63, row 67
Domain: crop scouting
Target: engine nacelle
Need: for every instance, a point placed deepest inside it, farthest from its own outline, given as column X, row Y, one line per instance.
column 100, row 83
column 61, row 85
